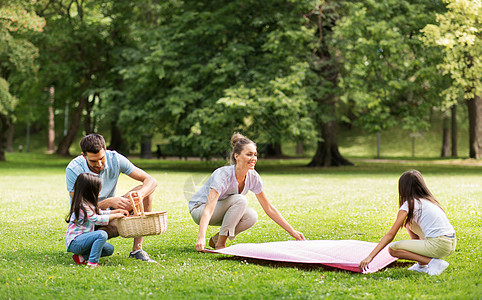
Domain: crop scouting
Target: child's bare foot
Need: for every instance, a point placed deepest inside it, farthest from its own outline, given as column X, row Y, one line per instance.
column 213, row 240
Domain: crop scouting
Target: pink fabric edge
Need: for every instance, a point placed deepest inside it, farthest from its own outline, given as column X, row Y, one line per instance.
column 289, row 251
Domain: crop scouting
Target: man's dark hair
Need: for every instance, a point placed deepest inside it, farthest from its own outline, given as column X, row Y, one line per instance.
column 92, row 143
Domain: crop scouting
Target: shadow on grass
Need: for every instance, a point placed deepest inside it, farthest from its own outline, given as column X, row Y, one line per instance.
column 302, row 266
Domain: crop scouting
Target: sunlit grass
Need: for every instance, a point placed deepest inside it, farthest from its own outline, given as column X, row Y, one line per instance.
column 357, row 202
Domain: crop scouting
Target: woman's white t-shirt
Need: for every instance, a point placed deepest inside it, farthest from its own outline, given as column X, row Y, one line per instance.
column 223, row 180
column 431, row 218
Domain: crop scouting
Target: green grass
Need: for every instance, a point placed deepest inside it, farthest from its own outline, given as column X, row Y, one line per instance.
column 357, row 202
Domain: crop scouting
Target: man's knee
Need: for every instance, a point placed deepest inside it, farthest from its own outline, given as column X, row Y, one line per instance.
column 110, row 229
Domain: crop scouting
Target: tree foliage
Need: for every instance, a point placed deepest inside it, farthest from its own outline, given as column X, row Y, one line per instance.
column 458, row 33
column 199, row 71
column 17, row 58
column 388, row 77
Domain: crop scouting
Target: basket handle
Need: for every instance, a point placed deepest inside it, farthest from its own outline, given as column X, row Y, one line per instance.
column 137, row 211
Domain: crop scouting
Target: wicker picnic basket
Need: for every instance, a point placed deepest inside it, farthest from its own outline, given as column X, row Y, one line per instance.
column 142, row 223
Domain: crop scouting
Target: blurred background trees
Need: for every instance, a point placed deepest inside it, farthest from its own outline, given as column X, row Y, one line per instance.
column 190, row 73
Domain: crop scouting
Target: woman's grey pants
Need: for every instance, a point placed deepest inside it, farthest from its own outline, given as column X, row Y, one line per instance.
column 232, row 214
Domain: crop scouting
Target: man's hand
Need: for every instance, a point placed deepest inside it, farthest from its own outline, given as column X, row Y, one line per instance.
column 116, row 203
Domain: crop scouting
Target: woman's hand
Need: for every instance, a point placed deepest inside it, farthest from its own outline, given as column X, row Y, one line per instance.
column 201, row 243
column 363, row 266
column 298, row 235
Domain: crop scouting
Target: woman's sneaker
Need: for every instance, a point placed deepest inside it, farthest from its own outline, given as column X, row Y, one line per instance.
column 436, row 266
column 418, row 268
column 79, row 259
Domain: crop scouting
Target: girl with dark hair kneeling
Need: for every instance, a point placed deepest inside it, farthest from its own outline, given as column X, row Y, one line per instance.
column 432, row 235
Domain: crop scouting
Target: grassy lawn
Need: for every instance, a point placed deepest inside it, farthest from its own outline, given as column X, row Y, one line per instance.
column 358, row 202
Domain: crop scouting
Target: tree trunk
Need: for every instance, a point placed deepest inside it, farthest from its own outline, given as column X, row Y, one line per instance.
column 300, row 149
column 51, row 125
column 146, row 151
column 273, row 150
column 11, row 131
column 67, row 140
column 327, row 153
column 117, row 142
column 4, row 125
column 454, row 131
column 446, row 137
column 475, row 127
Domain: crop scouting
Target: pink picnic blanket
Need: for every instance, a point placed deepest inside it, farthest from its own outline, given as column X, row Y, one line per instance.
column 342, row 254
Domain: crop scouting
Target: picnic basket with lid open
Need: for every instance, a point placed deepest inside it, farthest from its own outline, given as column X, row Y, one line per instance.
column 142, row 223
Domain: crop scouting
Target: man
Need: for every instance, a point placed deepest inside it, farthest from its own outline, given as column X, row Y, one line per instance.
column 108, row 165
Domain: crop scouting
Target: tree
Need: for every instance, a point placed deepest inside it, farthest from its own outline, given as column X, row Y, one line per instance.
column 17, row 57
column 324, row 91
column 241, row 67
column 388, row 73
column 458, row 34
column 73, row 56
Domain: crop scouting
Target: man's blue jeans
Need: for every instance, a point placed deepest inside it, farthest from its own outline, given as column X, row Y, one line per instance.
column 92, row 246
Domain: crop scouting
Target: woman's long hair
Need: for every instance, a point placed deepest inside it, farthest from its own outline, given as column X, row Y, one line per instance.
column 86, row 192
column 411, row 187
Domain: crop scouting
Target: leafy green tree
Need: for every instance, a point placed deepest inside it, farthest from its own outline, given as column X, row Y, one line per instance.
column 74, row 58
column 17, row 58
column 198, row 71
column 323, row 86
column 458, row 33
column 388, row 73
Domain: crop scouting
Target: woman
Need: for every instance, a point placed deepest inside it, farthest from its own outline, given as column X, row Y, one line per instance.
column 221, row 201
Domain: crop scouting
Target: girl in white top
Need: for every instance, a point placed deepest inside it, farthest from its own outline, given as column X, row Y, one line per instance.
column 221, row 201
column 432, row 235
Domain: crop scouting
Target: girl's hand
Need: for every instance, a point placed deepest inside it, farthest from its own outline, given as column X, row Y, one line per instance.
column 120, row 211
column 201, row 243
column 298, row 235
column 363, row 266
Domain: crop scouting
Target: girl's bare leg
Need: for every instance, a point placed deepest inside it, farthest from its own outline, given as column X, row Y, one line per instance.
column 404, row 254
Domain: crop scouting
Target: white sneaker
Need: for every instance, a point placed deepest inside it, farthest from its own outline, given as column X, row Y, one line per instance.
column 436, row 266
column 418, row 268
